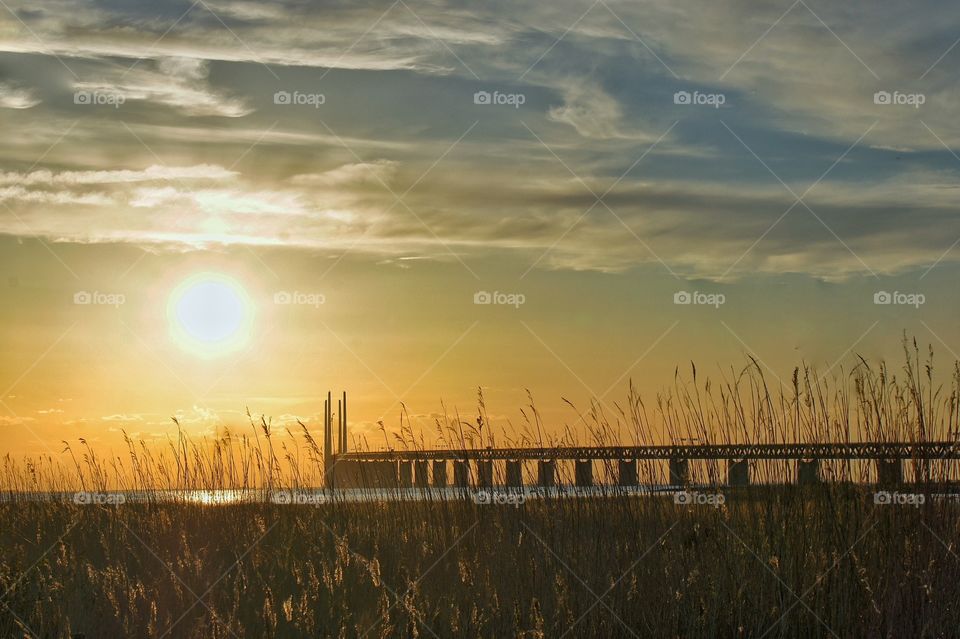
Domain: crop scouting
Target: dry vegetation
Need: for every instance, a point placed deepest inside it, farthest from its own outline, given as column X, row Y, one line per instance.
column 774, row 561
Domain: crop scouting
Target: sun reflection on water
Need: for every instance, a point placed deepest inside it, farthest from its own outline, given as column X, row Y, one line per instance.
column 216, row 497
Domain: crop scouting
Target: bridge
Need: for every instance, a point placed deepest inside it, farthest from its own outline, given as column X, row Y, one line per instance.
column 852, row 450
column 473, row 467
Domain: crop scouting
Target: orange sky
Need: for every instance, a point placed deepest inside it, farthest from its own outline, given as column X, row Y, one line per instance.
column 413, row 206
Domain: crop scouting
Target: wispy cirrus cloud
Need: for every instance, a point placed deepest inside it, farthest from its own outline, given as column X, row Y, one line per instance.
column 178, row 83
column 46, row 177
column 201, row 153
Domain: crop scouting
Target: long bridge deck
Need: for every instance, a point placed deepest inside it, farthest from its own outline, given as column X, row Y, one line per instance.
column 413, row 467
column 825, row 451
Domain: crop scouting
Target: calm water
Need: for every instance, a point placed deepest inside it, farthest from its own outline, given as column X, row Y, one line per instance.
column 306, row 497
column 690, row 495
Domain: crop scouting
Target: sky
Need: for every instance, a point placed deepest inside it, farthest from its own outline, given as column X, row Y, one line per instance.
column 208, row 207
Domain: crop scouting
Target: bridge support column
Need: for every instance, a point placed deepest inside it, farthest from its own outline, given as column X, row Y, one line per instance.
column 421, row 478
column 461, row 473
column 514, row 473
column 546, row 473
column 484, row 473
column 738, row 472
column 889, row 472
column 627, row 475
column 679, row 472
column 808, row 471
column 440, row 473
column 583, row 472
column 376, row 474
column 406, row 474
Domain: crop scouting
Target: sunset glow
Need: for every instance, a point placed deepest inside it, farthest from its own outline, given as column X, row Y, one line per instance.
column 208, row 208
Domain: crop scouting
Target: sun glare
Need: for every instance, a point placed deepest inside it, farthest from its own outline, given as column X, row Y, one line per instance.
column 210, row 315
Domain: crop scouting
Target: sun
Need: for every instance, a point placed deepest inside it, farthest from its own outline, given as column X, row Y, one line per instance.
column 210, row 315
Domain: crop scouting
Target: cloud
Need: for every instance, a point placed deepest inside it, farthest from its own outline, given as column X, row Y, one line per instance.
column 696, row 227
column 122, row 417
column 61, row 198
column 198, row 415
column 152, row 173
column 598, row 99
column 16, row 98
column 179, row 83
column 589, row 110
column 378, row 172
column 282, row 35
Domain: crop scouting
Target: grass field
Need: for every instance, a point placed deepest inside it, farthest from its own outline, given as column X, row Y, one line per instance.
column 782, row 562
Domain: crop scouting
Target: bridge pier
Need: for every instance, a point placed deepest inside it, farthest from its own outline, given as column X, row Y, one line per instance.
column 583, row 473
column 627, row 472
column 461, row 473
column 406, row 474
column 421, row 477
column 808, row 471
column 679, row 472
column 484, row 473
column 546, row 473
column 514, row 477
column 889, row 472
column 738, row 472
column 439, row 473
column 365, row 474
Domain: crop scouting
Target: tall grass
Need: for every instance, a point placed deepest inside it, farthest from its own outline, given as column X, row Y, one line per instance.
column 745, row 405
